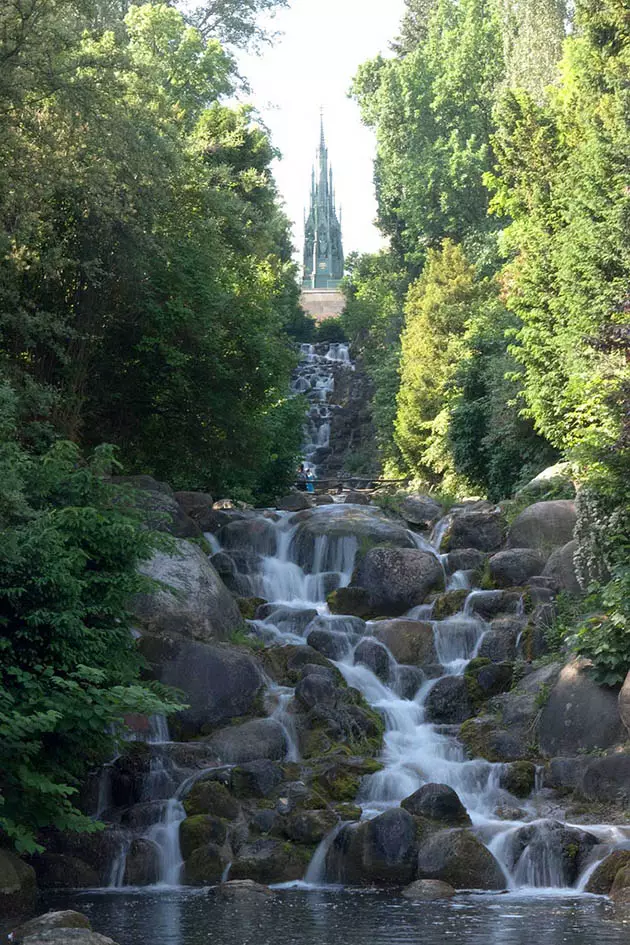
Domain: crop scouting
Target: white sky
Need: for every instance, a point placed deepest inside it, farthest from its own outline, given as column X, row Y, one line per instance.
column 312, row 65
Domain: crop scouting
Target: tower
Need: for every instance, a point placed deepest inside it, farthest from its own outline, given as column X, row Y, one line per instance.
column 323, row 250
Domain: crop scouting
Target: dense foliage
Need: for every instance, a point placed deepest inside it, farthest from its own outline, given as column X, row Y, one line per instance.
column 503, row 148
column 146, row 279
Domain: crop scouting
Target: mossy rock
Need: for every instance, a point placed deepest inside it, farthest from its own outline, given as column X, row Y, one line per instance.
column 339, row 784
column 447, row 604
column 272, row 861
column 348, row 812
column 486, row 679
column 519, row 778
column 476, row 736
column 249, row 605
column 199, row 830
column 205, row 866
column 352, row 601
column 211, row 797
column 17, row 884
column 601, row 881
column 285, row 663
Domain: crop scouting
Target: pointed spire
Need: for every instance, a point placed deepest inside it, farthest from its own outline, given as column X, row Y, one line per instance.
column 322, row 139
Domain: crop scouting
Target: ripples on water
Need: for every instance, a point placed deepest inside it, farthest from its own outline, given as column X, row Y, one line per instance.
column 295, row 917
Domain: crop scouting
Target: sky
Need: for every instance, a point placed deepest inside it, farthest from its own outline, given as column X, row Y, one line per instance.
column 310, row 66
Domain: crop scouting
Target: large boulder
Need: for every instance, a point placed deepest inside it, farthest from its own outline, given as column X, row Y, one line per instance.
column 515, row 566
column 548, row 853
column 17, row 884
column 608, row 779
column 255, row 534
column 219, row 682
column 459, row 858
column 579, row 715
column 438, row 802
column 260, row 738
column 210, row 796
column 374, row 655
column 398, row 578
column 142, row 864
column 483, row 530
column 544, row 526
column 192, row 600
column 420, row 510
column 601, row 880
column 561, row 568
column 499, row 642
column 270, row 861
column 449, row 701
column 68, row 937
column 411, row 642
column 382, row 850
column 206, row 865
column 62, row 919
column 426, row 890
column 294, row 502
column 198, row 831
column 158, row 505
column 243, row 890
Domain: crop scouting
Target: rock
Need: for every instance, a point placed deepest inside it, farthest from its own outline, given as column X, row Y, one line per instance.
column 483, row 530
column 515, row 566
column 465, row 559
column 350, row 600
column 310, row 826
column 285, row 663
column 61, row 871
column 194, row 503
column 209, row 796
column 17, row 884
column 158, row 505
column 425, row 890
column 237, row 890
column 255, row 779
column 249, row 605
column 579, row 715
column 624, row 703
column 565, row 774
column 561, row 568
column 490, row 604
column 554, row 477
column 205, row 866
column 324, row 499
column 437, row 802
column 198, row 831
column 548, row 853
column 68, row 937
column 544, row 525
column 448, row 604
column 331, row 644
column 459, row 858
column 487, row 679
column 260, row 738
column 285, row 618
column 219, row 682
column 608, row 779
column 65, row 919
column 483, row 737
column 519, row 778
column 601, row 880
column 449, row 702
column 382, row 850
column 620, row 891
column 195, row 603
column 373, row 654
column 398, row 578
column 421, row 510
column 356, row 498
column 316, row 690
column 270, row 861
column 294, row 502
column 142, row 867
column 499, row 643
column 255, row 534
column 408, row 680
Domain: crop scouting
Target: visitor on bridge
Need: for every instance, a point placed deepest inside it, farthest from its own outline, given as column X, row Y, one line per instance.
column 301, row 478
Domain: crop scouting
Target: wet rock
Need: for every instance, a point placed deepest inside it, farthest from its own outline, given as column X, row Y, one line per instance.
column 270, row 861
column 205, row 866
column 409, row 641
column 255, row 779
column 197, row 831
column 310, row 826
column 608, row 779
column 209, row 796
column 544, row 525
column 142, row 866
column 426, row 890
column 565, row 774
column 483, row 737
column 548, row 853
column 579, row 715
column 602, row 879
column 487, row 679
column 448, row 604
column 219, row 682
column 285, row 618
column 373, row 654
column 295, row 502
column 459, row 858
column 61, row 871
column 260, row 738
column 249, row 605
column 356, row 498
column 499, row 642
column 490, row 604
column 238, row 890
column 316, row 690
column 382, row 850
column 193, row 601
column 68, row 937
column 421, row 510
column 620, row 891
column 407, row 681
column 483, row 530
column 331, row 644
column 561, row 568
column 64, row 919
column 398, row 578
column 324, row 499
column 255, row 534
column 514, row 566
column 519, row 778
column 449, row 702
column 17, row 884
column 465, row 559
column 285, row 663
column 438, row 802
column 350, row 600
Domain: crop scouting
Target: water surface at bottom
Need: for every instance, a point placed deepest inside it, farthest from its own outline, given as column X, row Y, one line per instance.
column 313, row 917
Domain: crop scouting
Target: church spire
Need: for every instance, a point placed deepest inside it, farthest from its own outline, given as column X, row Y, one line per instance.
column 323, row 252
